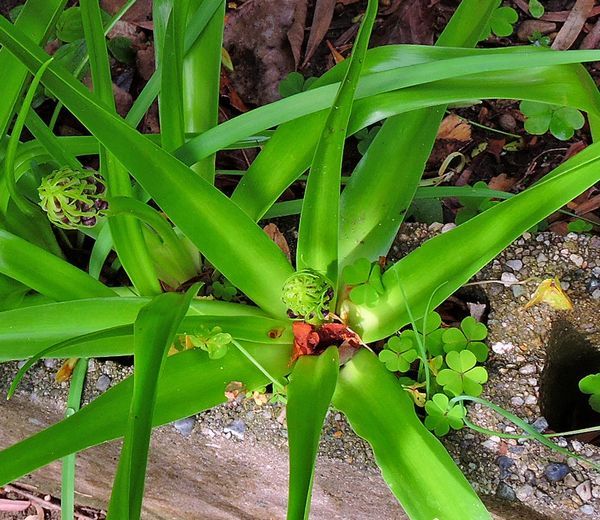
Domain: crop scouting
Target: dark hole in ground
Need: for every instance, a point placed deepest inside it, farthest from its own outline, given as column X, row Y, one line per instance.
column 467, row 301
column 570, row 357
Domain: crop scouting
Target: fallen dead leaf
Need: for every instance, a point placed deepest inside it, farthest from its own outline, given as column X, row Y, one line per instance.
column 140, row 11
column 592, row 38
column 65, row 371
column 454, row 128
column 573, row 25
column 145, row 62
column 561, row 16
column 528, row 27
column 588, row 206
column 234, row 389
column 320, row 24
column 550, row 292
column 295, row 33
column 337, row 57
column 13, row 506
column 501, row 182
column 277, row 236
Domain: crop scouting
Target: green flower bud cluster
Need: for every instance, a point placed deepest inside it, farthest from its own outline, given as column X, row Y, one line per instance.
column 307, row 295
column 73, row 198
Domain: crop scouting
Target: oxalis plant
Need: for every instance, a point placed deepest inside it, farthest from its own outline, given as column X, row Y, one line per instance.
column 302, row 328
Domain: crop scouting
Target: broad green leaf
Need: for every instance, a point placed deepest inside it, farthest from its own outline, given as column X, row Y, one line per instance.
column 474, row 244
column 220, row 230
column 154, row 331
column 318, row 230
column 311, row 387
column 191, row 374
column 126, row 231
column 418, row 469
column 51, row 276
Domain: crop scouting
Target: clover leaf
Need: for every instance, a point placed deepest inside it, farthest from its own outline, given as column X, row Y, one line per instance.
column 591, row 385
column 501, row 22
column 536, row 9
column 224, row 290
column 561, row 121
column 366, row 279
column 469, row 337
column 539, row 40
column 398, row 354
column 579, row 226
column 365, row 138
column 214, row 341
column 294, row 83
column 462, row 376
column 441, row 415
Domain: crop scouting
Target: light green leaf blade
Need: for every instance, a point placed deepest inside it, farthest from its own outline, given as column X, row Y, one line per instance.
column 311, row 387
column 419, row 471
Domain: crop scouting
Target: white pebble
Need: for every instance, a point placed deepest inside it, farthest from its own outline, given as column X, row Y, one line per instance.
column 503, row 348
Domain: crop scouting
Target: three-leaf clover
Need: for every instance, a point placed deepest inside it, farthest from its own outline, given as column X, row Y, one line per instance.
column 561, row 121
column 214, row 341
column 294, row 83
column 365, row 137
column 462, row 376
column 501, row 22
column 398, row 354
column 224, row 290
column 579, row 226
column 441, row 415
column 469, row 337
column 429, row 326
column 366, row 279
column 591, row 385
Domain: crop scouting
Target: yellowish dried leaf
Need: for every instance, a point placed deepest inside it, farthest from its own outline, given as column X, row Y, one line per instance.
column 454, row 128
column 65, row 371
column 550, row 292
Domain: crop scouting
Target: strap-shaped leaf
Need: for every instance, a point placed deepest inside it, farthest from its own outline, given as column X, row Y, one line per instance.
column 319, row 221
column 311, row 387
column 414, row 464
column 191, row 374
column 220, row 230
column 472, row 245
column 154, row 331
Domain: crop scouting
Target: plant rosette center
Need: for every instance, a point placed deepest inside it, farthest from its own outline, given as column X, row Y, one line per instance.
column 313, row 340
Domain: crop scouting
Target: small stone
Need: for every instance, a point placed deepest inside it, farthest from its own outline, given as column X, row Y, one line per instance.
column 518, row 290
column 50, row 363
column 528, row 369
column 515, row 265
column 447, row 227
column 530, row 400
column 524, row 492
column 507, row 122
column 596, row 294
column 587, row 510
column 556, row 471
column 508, row 279
column 593, row 284
column 505, row 492
column 21, row 364
column 541, row 258
column 103, row 383
column 528, row 27
column 576, row 259
column 236, row 428
column 570, row 481
column 185, row 426
column 435, row 227
column 504, row 463
column 502, row 348
column 517, row 401
column 584, row 490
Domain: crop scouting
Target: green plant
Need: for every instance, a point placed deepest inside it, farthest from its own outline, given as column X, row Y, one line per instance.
column 500, row 22
column 65, row 312
column 294, row 83
column 561, row 121
column 442, row 415
column 591, row 385
column 536, row 9
column 579, row 226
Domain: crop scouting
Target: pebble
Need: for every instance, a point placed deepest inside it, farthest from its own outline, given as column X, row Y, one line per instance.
column 518, row 290
column 530, row 400
column 508, row 279
column 517, row 401
column 515, row 265
column 524, row 492
column 596, row 294
column 528, row 369
column 502, row 348
column 576, row 259
column 570, row 481
column 556, row 471
column 447, row 227
column 50, row 363
column 185, row 426
column 541, row 258
column 504, row 463
column 505, row 492
column 236, row 428
column 21, row 364
column 103, row 383
column 584, row 490
column 587, row 510
column 593, row 284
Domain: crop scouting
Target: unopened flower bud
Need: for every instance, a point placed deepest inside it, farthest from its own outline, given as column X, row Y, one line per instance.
column 307, row 295
column 73, row 198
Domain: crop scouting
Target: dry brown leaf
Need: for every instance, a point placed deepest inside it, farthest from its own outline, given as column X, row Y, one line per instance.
column 561, row 16
column 592, row 39
column 234, row 389
column 588, row 206
column 65, row 371
column 454, row 128
column 337, row 57
column 573, row 25
column 318, row 29
column 501, row 182
column 277, row 236
column 295, row 34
